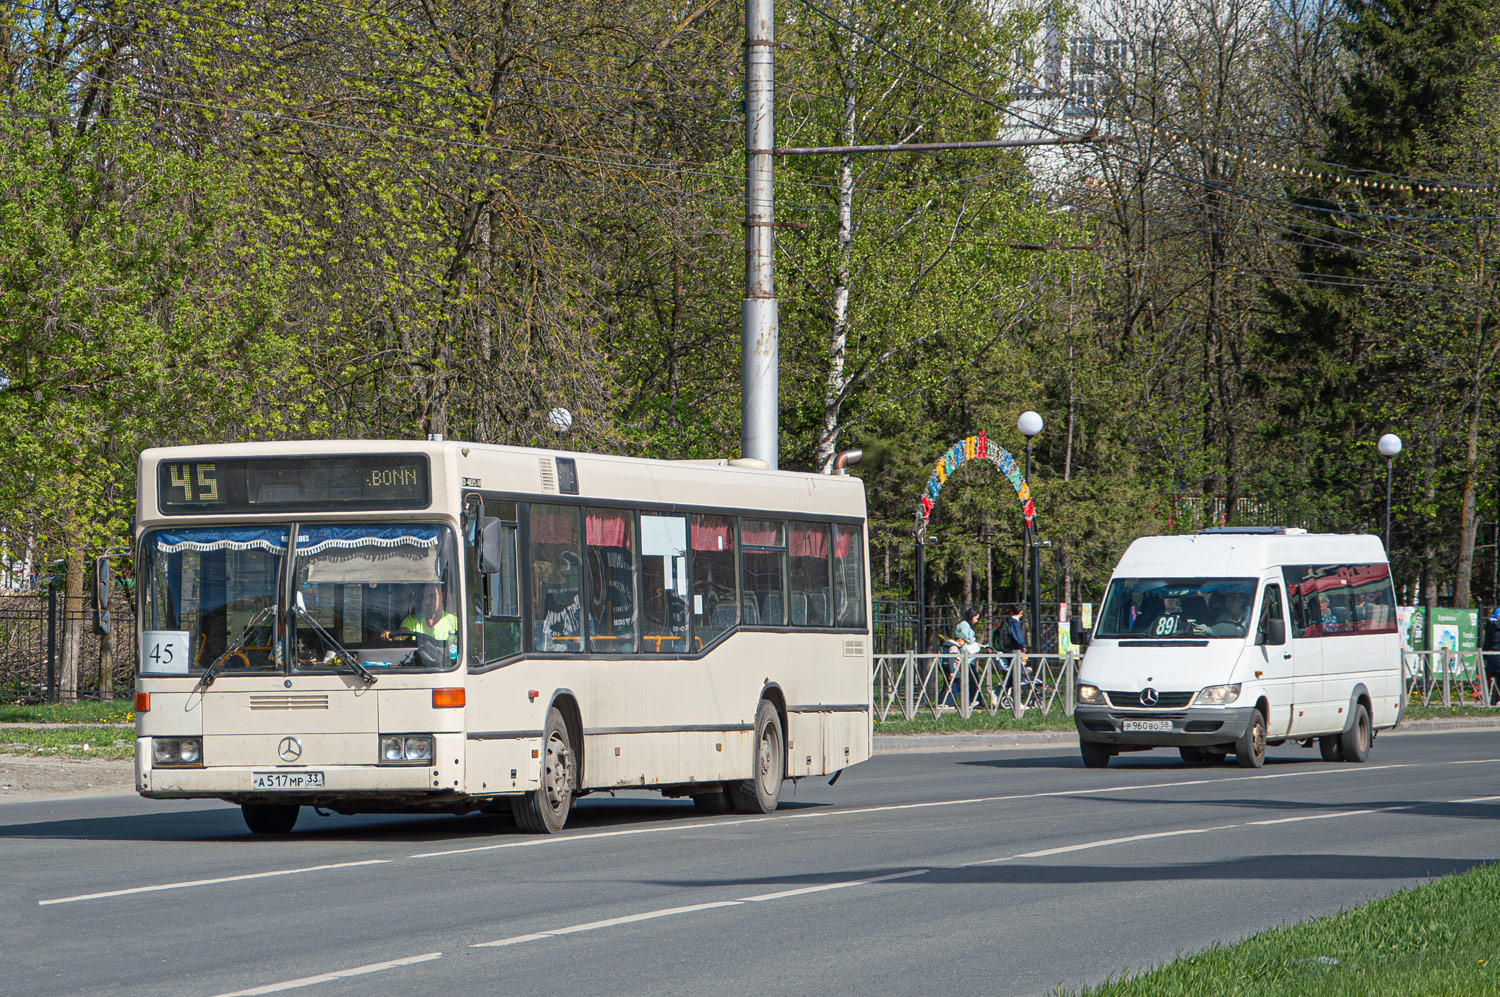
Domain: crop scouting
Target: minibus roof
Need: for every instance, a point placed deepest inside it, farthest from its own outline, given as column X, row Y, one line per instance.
column 1240, row 554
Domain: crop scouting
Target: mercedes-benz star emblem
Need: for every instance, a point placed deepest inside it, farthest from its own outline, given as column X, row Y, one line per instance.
column 290, row 749
column 1148, row 698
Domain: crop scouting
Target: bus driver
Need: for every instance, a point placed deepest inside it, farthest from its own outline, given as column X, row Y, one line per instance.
column 429, row 618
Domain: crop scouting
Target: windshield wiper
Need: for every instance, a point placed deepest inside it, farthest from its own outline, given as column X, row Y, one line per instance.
column 211, row 672
column 340, row 653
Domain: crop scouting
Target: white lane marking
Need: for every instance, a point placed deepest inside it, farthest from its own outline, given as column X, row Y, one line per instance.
column 338, row 974
column 891, row 808
column 651, row 915
column 1185, row 831
column 210, row 882
column 831, row 886
column 607, row 923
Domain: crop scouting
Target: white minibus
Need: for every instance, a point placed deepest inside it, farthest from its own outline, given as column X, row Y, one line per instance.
column 1232, row 639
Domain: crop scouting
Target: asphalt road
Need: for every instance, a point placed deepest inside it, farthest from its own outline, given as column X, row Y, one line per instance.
column 1002, row 872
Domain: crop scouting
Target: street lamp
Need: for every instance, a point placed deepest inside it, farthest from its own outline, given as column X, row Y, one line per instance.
column 1390, row 446
column 1030, row 424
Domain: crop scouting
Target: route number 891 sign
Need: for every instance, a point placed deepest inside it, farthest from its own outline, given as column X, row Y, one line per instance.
column 165, row 651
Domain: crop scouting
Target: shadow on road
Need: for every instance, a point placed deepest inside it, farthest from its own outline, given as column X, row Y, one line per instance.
column 1414, row 808
column 1143, row 760
column 221, row 823
column 1257, row 867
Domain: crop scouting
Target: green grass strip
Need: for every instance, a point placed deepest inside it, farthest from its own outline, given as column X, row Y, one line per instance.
column 1439, row 938
column 87, row 711
column 68, row 742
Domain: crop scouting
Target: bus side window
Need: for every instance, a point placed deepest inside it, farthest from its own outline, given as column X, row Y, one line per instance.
column 610, row 555
column 763, row 565
column 715, row 596
column 664, row 584
column 848, row 576
column 556, row 579
column 807, row 577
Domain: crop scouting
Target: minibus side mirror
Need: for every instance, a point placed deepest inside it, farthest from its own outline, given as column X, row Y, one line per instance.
column 104, row 580
column 1275, row 633
column 489, row 546
column 1078, row 633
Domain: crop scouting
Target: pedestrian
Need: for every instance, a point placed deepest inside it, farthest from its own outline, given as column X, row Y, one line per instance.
column 1492, row 658
column 1013, row 638
column 964, row 639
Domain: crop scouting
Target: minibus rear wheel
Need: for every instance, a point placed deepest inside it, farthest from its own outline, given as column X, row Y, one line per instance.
column 1329, row 748
column 1095, row 756
column 1354, row 743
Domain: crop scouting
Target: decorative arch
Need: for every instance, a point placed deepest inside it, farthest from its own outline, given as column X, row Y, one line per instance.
column 973, row 448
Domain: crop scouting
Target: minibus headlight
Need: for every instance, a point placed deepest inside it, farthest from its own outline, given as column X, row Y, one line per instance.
column 405, row 749
column 170, row 751
column 1218, row 695
column 1090, row 695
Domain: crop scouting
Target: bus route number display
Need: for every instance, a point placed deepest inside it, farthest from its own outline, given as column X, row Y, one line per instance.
column 293, row 484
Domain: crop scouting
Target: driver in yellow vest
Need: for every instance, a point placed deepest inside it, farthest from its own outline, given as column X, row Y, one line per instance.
column 429, row 618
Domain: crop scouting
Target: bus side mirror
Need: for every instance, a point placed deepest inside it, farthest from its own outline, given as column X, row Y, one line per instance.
column 489, row 546
column 1078, row 633
column 104, row 580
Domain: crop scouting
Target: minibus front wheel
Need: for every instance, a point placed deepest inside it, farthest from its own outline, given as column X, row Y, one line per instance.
column 1095, row 756
column 1250, row 749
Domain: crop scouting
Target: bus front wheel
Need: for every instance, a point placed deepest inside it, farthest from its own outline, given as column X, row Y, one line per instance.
column 545, row 809
column 762, row 791
column 269, row 818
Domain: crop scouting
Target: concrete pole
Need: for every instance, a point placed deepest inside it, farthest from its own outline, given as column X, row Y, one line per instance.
column 759, row 322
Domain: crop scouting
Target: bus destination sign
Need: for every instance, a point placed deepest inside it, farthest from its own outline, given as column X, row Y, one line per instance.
column 293, row 484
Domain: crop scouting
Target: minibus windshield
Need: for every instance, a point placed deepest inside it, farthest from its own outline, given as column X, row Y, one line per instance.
column 1176, row 608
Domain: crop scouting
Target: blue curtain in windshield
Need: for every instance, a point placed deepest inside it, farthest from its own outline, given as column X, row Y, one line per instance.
column 316, row 539
column 210, row 538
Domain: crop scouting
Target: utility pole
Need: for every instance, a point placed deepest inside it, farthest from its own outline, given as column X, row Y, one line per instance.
column 759, row 323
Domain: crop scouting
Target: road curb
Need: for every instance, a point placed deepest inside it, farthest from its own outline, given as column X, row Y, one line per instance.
column 897, row 744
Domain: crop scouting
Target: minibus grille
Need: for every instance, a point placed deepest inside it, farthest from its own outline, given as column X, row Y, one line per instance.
column 1164, row 700
column 288, row 701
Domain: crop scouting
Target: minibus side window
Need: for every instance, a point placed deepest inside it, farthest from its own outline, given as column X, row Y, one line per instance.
column 1270, row 610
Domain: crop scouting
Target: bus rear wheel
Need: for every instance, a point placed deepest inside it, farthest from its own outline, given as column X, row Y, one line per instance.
column 269, row 818
column 760, row 793
column 545, row 809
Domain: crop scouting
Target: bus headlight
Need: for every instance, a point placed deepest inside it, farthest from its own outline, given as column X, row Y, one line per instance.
column 1218, row 695
column 167, row 752
column 405, row 749
column 1090, row 695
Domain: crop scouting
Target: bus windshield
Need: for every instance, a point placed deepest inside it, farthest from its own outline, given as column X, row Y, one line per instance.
column 209, row 593
column 387, row 592
column 1176, row 608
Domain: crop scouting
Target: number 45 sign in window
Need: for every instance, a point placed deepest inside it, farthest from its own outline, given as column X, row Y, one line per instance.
column 165, row 651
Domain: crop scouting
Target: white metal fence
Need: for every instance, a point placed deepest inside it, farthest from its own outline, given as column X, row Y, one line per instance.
column 1446, row 678
column 965, row 684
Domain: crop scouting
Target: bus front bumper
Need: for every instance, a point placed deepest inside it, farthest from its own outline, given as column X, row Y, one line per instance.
column 1193, row 727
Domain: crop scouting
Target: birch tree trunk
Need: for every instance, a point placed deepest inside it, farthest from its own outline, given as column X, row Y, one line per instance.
column 838, row 381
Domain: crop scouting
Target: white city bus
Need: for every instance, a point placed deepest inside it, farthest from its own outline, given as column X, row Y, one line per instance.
column 449, row 627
